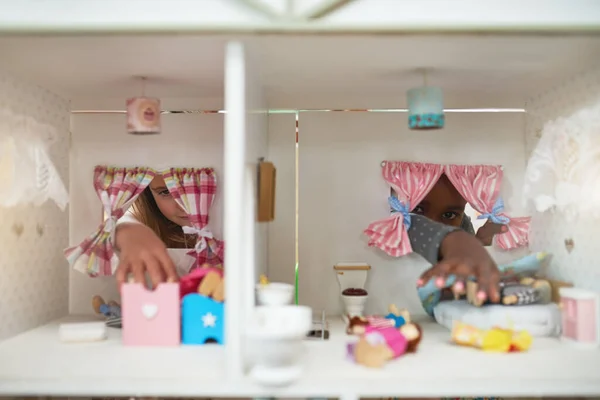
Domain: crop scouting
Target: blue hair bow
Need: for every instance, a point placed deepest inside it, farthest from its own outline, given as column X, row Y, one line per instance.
column 399, row 207
column 497, row 209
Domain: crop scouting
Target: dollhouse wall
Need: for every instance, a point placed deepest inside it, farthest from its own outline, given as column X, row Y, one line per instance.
column 549, row 230
column 33, row 270
column 342, row 191
column 257, row 147
column 186, row 140
column 282, row 231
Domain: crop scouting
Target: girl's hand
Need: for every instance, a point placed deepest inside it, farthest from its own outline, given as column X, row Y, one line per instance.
column 487, row 232
column 463, row 255
column 142, row 251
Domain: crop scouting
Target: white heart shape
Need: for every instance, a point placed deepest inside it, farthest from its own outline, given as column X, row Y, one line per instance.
column 149, row 310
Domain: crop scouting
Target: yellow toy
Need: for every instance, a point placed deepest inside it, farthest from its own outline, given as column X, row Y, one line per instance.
column 495, row 339
column 263, row 280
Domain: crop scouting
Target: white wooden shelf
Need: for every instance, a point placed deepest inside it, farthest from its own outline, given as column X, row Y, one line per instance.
column 36, row 363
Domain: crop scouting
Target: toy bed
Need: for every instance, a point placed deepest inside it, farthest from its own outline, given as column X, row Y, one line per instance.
column 538, row 319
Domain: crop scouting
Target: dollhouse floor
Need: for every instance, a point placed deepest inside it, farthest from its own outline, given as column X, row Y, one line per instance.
column 37, row 363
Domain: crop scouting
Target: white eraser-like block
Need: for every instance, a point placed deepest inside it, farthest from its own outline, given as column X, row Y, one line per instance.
column 82, row 332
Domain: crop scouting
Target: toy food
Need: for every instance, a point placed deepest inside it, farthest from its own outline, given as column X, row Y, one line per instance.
column 378, row 346
column 495, row 339
column 219, row 292
column 194, row 281
column 354, row 292
column 211, row 284
column 82, row 332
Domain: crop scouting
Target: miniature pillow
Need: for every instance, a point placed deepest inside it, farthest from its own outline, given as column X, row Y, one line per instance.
column 540, row 320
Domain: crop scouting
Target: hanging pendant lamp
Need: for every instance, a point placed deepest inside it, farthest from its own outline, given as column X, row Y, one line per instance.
column 425, row 107
column 143, row 114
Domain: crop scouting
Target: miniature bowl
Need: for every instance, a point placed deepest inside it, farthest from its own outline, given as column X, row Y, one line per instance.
column 275, row 353
column 280, row 322
column 275, row 294
column 275, row 335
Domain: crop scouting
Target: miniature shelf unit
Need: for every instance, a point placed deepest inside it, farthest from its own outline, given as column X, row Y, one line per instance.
column 33, row 362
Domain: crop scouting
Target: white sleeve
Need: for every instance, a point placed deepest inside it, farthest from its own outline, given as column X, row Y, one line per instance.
column 128, row 218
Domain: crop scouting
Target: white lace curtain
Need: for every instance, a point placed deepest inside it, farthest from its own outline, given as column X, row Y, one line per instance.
column 563, row 172
column 27, row 174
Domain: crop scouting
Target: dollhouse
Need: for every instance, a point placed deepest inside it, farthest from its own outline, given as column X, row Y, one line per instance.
column 320, row 93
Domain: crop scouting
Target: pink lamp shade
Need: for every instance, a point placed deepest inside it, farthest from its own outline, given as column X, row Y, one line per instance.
column 143, row 116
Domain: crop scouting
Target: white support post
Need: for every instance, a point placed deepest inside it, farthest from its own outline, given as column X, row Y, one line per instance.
column 234, row 160
column 249, row 241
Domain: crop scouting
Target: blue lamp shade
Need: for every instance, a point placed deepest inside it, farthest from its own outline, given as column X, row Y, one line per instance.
column 425, row 108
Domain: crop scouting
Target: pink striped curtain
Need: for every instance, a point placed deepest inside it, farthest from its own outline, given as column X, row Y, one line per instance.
column 117, row 188
column 411, row 182
column 480, row 186
column 194, row 191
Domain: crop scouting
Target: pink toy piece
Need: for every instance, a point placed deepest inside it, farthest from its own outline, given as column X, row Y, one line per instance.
column 151, row 318
column 380, row 322
column 190, row 282
column 394, row 339
column 580, row 316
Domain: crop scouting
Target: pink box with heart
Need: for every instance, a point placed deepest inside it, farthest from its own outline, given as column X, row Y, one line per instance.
column 151, row 318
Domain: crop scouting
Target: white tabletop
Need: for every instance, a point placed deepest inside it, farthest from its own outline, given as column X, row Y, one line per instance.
column 37, row 363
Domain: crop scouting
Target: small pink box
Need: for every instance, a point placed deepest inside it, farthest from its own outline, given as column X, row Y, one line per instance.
column 151, row 318
column 580, row 316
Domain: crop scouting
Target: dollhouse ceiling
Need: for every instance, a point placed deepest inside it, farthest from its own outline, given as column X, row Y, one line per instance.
column 192, row 66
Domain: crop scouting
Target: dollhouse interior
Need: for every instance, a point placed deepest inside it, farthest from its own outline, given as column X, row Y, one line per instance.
column 329, row 112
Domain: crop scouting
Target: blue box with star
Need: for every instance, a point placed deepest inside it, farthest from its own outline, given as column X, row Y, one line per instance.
column 202, row 320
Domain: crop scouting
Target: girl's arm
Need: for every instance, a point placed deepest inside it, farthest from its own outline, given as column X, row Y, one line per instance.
column 426, row 237
column 128, row 226
column 141, row 252
column 453, row 251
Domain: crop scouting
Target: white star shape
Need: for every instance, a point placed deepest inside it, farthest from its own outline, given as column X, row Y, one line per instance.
column 209, row 320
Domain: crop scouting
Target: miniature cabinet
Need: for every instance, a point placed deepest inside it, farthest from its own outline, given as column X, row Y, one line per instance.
column 202, row 320
column 580, row 316
column 151, row 318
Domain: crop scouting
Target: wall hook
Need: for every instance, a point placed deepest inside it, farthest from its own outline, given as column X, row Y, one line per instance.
column 569, row 244
column 18, row 229
column 40, row 229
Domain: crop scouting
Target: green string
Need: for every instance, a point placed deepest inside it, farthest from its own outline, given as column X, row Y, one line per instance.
column 296, row 283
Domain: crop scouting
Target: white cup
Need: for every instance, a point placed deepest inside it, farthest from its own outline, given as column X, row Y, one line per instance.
column 275, row 294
